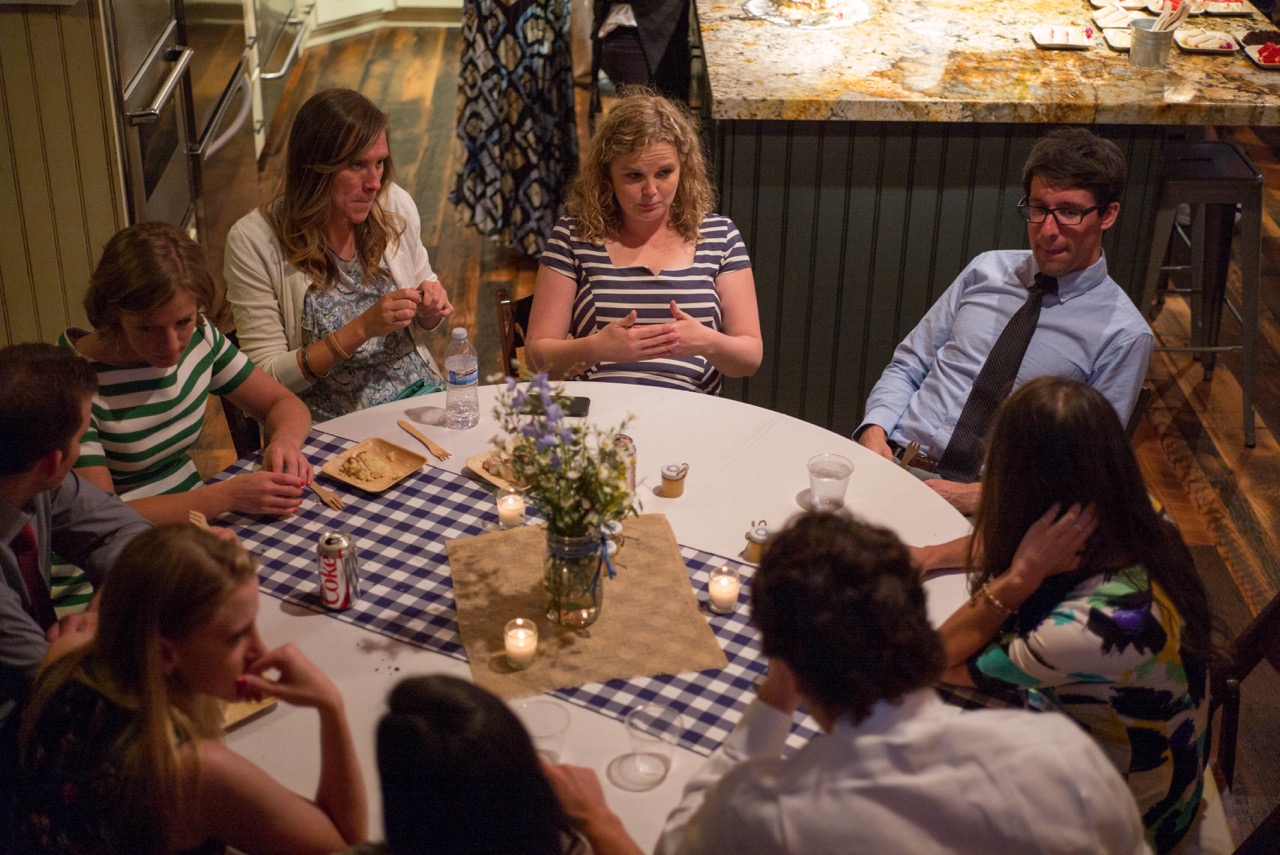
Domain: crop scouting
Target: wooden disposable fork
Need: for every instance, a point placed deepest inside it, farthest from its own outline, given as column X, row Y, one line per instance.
column 421, row 437
column 329, row 498
column 909, row 453
column 198, row 520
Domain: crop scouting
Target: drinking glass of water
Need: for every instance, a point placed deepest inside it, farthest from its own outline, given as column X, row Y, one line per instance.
column 652, row 730
column 828, row 481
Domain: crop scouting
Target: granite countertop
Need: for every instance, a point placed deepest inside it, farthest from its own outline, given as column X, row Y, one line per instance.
column 955, row 61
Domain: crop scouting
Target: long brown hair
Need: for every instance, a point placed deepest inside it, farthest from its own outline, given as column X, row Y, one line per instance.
column 332, row 129
column 166, row 583
column 1060, row 441
column 638, row 121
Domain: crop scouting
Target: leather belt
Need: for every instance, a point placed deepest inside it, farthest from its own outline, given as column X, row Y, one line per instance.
column 921, row 461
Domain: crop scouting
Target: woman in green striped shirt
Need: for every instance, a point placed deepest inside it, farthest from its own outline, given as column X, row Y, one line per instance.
column 158, row 358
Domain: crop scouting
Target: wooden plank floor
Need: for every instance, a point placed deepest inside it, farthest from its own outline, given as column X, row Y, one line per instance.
column 1224, row 497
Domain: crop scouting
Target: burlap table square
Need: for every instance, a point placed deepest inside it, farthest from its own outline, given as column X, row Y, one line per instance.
column 650, row 622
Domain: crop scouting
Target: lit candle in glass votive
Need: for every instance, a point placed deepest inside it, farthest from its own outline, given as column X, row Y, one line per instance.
column 510, row 509
column 521, row 639
column 722, row 588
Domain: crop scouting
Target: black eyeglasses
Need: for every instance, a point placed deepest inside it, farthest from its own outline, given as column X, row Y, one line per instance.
column 1063, row 216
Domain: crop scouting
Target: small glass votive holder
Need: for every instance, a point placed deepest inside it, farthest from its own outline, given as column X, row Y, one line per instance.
column 723, row 585
column 520, row 636
column 510, row 509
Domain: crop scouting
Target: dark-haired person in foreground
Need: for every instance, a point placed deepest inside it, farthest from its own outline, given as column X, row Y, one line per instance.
column 44, row 409
column 841, row 613
column 945, row 380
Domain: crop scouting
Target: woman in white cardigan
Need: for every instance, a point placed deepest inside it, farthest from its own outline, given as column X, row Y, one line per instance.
column 329, row 283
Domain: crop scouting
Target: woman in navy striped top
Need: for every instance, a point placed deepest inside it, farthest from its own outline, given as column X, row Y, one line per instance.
column 641, row 283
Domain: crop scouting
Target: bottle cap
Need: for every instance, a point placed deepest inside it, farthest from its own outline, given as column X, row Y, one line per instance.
column 759, row 534
column 459, row 332
column 675, row 471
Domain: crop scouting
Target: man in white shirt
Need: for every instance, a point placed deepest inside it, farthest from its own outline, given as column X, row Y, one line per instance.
column 841, row 613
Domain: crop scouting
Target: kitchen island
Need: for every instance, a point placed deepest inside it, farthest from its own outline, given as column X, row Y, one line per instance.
column 866, row 164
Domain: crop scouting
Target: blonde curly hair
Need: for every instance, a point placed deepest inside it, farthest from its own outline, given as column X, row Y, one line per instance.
column 639, row 120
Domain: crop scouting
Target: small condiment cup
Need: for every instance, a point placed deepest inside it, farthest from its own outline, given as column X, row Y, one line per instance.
column 673, row 480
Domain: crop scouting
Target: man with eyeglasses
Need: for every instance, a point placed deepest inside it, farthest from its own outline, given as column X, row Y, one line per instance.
column 1012, row 316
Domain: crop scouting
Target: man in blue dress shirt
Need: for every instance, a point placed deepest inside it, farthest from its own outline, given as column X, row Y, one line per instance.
column 1088, row 331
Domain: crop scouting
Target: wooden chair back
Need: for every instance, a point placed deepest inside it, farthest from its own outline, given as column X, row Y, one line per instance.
column 513, row 320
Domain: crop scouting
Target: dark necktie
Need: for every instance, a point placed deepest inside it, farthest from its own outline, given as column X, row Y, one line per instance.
column 26, row 551
column 963, row 457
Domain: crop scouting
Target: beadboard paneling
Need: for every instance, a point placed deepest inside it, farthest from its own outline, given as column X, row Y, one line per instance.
column 855, row 228
column 59, row 165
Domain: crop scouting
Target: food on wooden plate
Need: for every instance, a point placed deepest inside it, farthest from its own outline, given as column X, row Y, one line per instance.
column 498, row 464
column 363, row 466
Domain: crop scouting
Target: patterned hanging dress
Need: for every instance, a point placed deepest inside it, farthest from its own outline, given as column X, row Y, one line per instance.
column 516, row 143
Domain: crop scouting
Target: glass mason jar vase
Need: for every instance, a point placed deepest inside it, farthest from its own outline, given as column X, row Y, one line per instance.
column 572, row 579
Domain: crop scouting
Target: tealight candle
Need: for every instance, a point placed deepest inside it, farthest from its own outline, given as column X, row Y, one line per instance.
column 510, row 509
column 722, row 588
column 521, row 640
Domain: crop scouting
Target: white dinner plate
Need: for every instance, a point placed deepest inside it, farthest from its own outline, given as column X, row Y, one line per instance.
column 1063, row 38
column 1251, row 51
column 1155, row 7
column 1132, row 5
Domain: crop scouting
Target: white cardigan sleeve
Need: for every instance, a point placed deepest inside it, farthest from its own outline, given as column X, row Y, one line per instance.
column 264, row 310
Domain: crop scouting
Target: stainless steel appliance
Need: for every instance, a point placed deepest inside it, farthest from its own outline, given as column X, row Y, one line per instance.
column 149, row 63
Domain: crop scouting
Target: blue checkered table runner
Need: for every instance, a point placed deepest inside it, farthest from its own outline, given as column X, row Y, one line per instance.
column 407, row 593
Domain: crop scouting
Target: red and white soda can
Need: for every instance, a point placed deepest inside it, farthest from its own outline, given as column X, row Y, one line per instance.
column 339, row 568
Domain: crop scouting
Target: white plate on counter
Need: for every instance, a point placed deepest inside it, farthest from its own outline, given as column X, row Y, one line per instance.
column 1227, row 7
column 1131, row 5
column 1196, row 40
column 1063, row 38
column 1117, row 38
column 1251, row 51
column 1155, row 7
column 1109, row 17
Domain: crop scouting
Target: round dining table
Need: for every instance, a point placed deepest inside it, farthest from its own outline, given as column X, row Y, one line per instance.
column 746, row 465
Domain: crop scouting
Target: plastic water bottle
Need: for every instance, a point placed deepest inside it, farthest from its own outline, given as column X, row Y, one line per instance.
column 462, row 379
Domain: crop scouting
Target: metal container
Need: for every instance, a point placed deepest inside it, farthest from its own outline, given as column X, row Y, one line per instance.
column 1149, row 48
column 339, row 568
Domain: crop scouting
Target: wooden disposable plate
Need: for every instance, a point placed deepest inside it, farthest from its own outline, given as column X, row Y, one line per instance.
column 239, row 712
column 476, row 465
column 400, row 462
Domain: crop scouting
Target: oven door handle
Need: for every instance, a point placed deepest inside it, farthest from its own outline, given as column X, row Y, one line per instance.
column 301, row 21
column 180, row 63
column 208, row 145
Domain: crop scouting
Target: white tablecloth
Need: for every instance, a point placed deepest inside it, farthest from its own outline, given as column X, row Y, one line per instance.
column 746, row 464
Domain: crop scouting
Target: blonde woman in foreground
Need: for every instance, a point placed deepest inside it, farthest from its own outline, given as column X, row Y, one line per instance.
column 120, row 743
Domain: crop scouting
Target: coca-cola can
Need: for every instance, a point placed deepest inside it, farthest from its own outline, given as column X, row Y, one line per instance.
column 339, row 567
column 625, row 447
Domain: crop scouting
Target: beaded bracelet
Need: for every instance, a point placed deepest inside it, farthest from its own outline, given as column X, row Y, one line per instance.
column 336, row 346
column 306, row 365
column 986, row 594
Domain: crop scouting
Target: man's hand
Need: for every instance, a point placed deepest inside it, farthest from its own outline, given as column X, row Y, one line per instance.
column 874, row 438
column 962, row 497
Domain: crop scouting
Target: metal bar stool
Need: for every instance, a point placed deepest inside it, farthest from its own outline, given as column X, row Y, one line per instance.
column 1204, row 175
